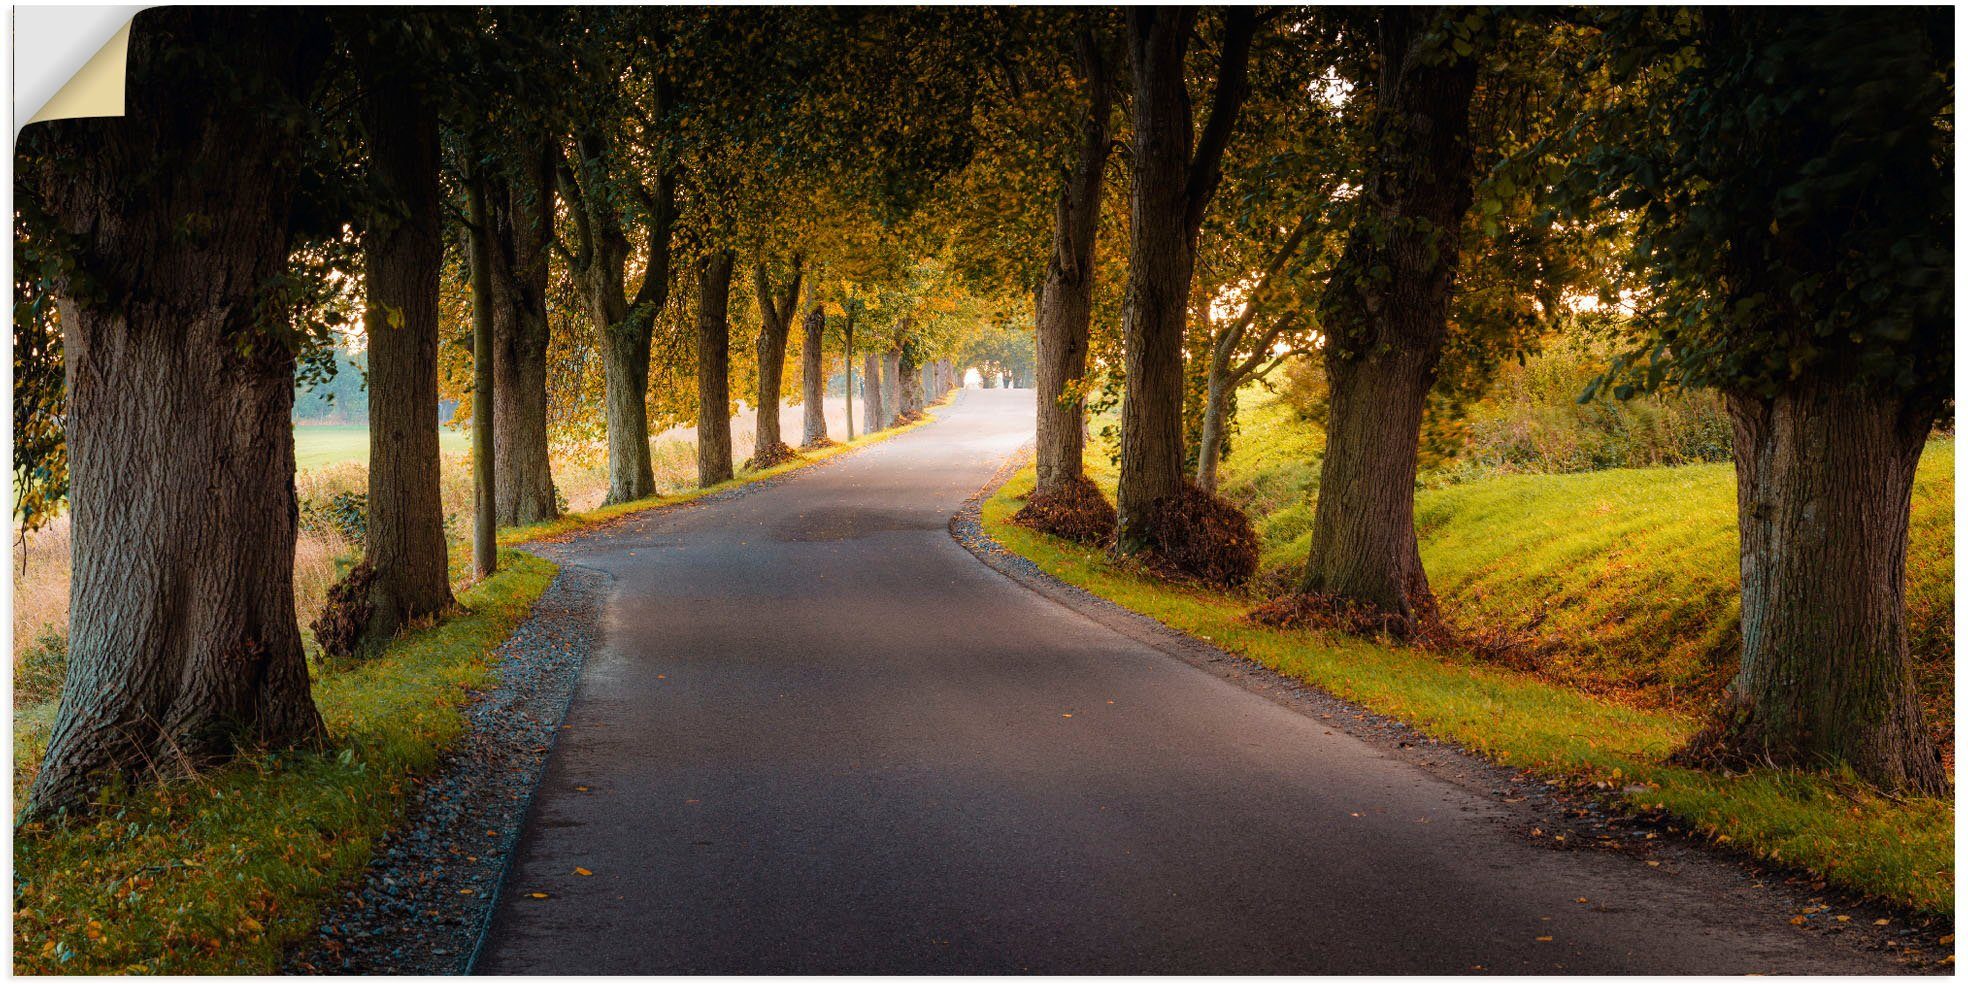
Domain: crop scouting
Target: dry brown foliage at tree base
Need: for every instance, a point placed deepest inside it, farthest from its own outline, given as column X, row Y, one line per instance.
column 819, row 444
column 347, row 612
column 1319, row 611
column 1198, row 536
column 766, row 457
column 1075, row 511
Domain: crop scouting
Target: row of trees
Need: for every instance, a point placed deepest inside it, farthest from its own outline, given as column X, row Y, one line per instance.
column 1411, row 194
column 1417, row 193
column 572, row 191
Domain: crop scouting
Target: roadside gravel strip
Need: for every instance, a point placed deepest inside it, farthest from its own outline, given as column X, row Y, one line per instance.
column 426, row 897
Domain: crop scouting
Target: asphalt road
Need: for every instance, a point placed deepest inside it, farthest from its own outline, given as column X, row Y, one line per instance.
column 821, row 736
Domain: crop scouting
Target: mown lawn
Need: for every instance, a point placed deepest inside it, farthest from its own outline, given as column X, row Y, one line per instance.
column 1633, row 573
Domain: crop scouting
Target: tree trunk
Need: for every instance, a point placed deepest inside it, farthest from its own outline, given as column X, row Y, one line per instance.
column 1824, row 480
column 523, row 222
column 480, row 240
column 1216, row 417
column 891, row 388
column 988, row 380
column 625, row 368
column 847, row 370
column 183, row 645
column 1066, row 298
column 714, row 369
column 1175, row 175
column 1363, row 536
column 813, row 378
column 1385, row 311
column 775, row 324
column 872, row 417
column 405, row 542
column 910, row 383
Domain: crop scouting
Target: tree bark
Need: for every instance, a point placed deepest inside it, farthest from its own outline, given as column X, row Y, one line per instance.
column 1065, row 300
column 714, row 368
column 775, row 324
column 402, row 257
column 479, row 235
column 910, row 383
column 872, row 417
column 1176, row 172
column 183, row 644
column 891, row 388
column 1216, row 417
column 1824, row 481
column 523, row 220
column 813, row 378
column 1385, row 312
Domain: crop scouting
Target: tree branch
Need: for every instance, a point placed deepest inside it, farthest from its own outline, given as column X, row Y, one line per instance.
column 1232, row 86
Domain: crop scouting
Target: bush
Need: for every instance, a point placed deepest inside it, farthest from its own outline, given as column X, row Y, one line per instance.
column 1194, row 534
column 1075, row 511
column 344, row 513
column 345, row 615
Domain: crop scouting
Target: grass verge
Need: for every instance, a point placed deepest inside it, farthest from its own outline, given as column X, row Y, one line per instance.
column 1898, row 850
column 216, row 874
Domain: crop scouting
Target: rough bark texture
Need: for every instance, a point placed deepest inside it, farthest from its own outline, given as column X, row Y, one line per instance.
column 522, row 222
column 813, row 378
column 1216, row 416
column 402, row 256
column 183, row 644
column 910, row 383
column 872, row 416
column 891, row 388
column 1065, row 300
column 1824, row 481
column 1385, row 331
column 1176, row 172
column 714, row 368
column 775, row 324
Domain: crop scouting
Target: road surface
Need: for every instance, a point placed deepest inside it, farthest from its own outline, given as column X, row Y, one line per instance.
column 821, row 736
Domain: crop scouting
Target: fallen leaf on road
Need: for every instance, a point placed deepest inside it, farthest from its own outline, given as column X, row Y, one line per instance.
column 583, row 872
column 1544, row 939
column 537, row 895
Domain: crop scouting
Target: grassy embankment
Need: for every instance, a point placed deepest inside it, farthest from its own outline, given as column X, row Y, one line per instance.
column 1628, row 577
column 218, row 873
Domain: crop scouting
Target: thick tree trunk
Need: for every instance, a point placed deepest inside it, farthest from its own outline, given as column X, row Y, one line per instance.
column 910, row 383
column 1066, row 299
column 625, row 389
column 1363, row 536
column 813, row 378
column 405, row 542
column 480, row 239
column 714, row 368
column 775, row 324
column 872, row 416
column 1175, row 175
column 1824, row 480
column 891, row 388
column 1385, row 312
column 523, row 222
column 183, row 645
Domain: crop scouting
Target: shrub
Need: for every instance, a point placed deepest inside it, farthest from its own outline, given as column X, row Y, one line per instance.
column 1075, row 511
column 347, row 611
column 1194, row 534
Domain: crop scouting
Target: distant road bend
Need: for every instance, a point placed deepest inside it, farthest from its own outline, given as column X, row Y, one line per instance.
column 821, row 736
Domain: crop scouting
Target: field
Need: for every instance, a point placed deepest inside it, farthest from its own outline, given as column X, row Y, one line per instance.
column 316, row 445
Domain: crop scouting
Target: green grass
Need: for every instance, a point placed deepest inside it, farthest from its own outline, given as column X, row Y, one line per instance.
column 316, row 445
column 216, row 874
column 1901, row 851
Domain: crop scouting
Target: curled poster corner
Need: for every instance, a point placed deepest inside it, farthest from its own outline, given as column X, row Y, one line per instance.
column 69, row 61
